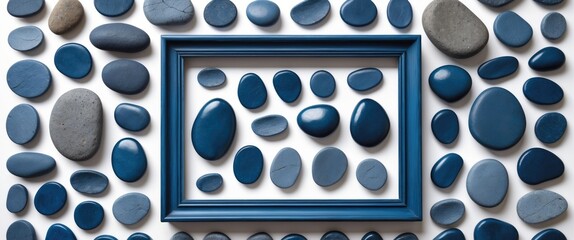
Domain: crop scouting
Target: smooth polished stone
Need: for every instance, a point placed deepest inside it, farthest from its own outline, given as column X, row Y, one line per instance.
column 30, row 164
column 549, row 2
column 553, row 26
column 24, row 8
column 50, row 198
column 496, row 119
column 537, row 165
column 181, row 236
column 371, row 174
column 21, row 230
column 550, row 127
column 139, row 236
column 73, row 60
column 17, row 198
column 285, row 168
column 364, row 79
column 287, row 85
column 105, row 237
column 248, row 164
column 540, row 206
column 260, row 236
column 88, row 215
column 29, row 78
column 444, row 126
column 498, row 67
column 495, row 3
column 450, row 234
column 323, row 84
column 22, row 124
column 113, row 8
column 209, row 182
column 494, row 229
column 119, row 37
column 318, row 120
column 334, row 235
column 447, row 212
column 487, row 183
column 512, row 30
column 251, row 90
column 220, row 13
column 125, row 76
column 131, row 208
column 66, row 15
column 89, row 182
column 25, row 38
column 329, row 166
column 168, row 12
column 372, row 235
column 399, row 13
column 310, row 12
column 407, row 236
column 270, row 125
column 60, row 231
column 549, row 234
column 445, row 171
column 211, row 77
column 370, row 123
column 213, row 130
column 547, row 59
column 358, row 13
column 129, row 160
column 263, row 13
column 131, row 117
column 542, row 91
column 294, row 236
column 449, row 82
column 216, row 236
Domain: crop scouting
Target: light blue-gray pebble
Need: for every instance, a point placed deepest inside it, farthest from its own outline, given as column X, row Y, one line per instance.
column 260, row 236
column 447, row 211
column 372, row 174
column 553, row 26
column 285, row 168
column 216, row 236
column 211, row 77
column 270, row 125
column 22, row 124
column 329, row 166
column 131, row 208
column 181, row 236
column 540, row 206
column 168, row 12
column 487, row 183
column 25, row 38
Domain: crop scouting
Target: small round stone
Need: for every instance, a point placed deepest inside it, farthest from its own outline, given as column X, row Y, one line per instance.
column 550, row 127
column 131, row 117
column 260, row 236
column 371, row 174
column 294, row 236
column 270, row 125
column 553, row 26
column 50, row 198
column 323, row 84
column 372, row 235
column 119, row 37
column 549, row 2
column 181, row 236
column 445, row 171
column 512, row 30
column 21, row 230
column 73, row 60
column 399, row 13
column 131, row 208
column 89, row 182
column 287, row 85
column 168, row 12
column 549, row 234
column 209, row 182
column 444, row 126
column 370, row 124
column 17, row 198
column 216, row 236
column 29, row 78
column 139, row 236
column 358, row 13
column 30, row 164
column 334, row 235
column 25, row 38
column 309, row 13
column 22, row 9
column 407, row 236
column 318, row 120
column 105, row 237
column 125, row 76
column 263, row 13
column 22, row 124
column 251, row 90
column 487, row 183
column 248, row 164
column 450, row 234
column 60, row 231
column 364, row 79
column 129, row 160
column 220, row 13
column 541, row 206
column 285, row 168
column 538, row 165
column 449, row 82
column 542, row 91
column 113, row 8
column 88, row 215
column 65, row 16
column 547, row 59
column 329, row 166
column 447, row 212
column 211, row 77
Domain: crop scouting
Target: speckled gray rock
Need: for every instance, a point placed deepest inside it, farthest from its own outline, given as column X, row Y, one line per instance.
column 65, row 16
column 495, row 3
column 168, row 12
column 454, row 29
column 76, row 124
column 540, row 206
column 181, row 236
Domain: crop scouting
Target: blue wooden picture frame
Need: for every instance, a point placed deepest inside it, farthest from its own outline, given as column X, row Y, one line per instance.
column 175, row 49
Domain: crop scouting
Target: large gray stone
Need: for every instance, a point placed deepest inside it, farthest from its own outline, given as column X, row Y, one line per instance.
column 168, row 12
column 540, row 206
column 66, row 15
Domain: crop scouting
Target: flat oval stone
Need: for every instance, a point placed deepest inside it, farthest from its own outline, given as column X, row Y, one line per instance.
column 181, row 236
column 334, row 235
column 129, row 161
column 449, row 82
column 168, row 12
column 372, row 235
column 248, row 164
column 447, row 212
column 251, row 90
column 260, row 236
column 263, row 13
column 329, row 166
column 454, row 29
column 495, row 3
column 17, row 198
column 294, row 236
column 30, row 164
column 60, row 231
column 450, row 234
column 21, row 230
column 287, row 85
column 547, row 59
column 209, row 182
column 540, row 206
column 550, row 127
column 213, row 130
column 491, row 228
column 498, row 67
column 310, row 12
column 358, row 13
column 220, row 13
column 131, row 208
column 318, row 120
column 444, row 126
column 29, row 78
column 553, row 26
column 24, row 8
column 487, row 183
column 211, row 77
column 73, row 60
column 496, row 119
column 371, row 174
column 549, row 2
column 113, row 8
column 370, row 123
column 285, row 168
column 269, row 125
column 549, row 234
column 512, row 30
column 537, row 165
column 139, row 236
column 88, row 215
column 216, row 236
column 105, row 237
column 407, row 236
column 323, row 84
column 76, row 124
column 22, row 124
column 131, row 117
column 119, row 37
column 445, row 171
column 542, row 91
column 364, row 79
column 125, row 76
column 25, row 38
column 50, row 198
column 89, row 181
column 399, row 13
column 66, row 15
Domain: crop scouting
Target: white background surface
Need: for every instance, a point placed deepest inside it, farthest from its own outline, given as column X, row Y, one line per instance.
column 466, row 146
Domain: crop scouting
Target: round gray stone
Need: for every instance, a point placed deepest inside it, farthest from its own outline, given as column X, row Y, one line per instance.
column 372, row 174
column 447, row 212
column 181, row 236
column 285, row 168
column 131, row 208
column 66, row 15
column 25, row 38
column 216, row 236
column 540, row 206
column 329, row 166
column 260, row 236
column 168, row 12
column 487, row 183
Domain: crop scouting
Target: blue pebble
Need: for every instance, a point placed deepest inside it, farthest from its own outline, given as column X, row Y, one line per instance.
column 329, row 166
column 370, row 123
column 181, row 236
column 105, row 237
column 263, row 13
column 287, row 85
column 445, row 126
column 129, row 161
column 364, row 79
column 73, row 60
column 29, row 78
column 168, row 12
column 547, row 59
column 30, row 164
column 119, row 37
column 213, row 130
column 399, row 13
column 22, row 124
column 318, row 120
column 251, row 91
column 50, row 198
column 113, row 8
column 540, row 206
column 209, row 182
column 512, row 30
column 310, row 12
column 549, row 234
column 542, row 91
column 211, row 77
column 334, row 235
column 372, row 235
column 445, row 171
column 447, row 212
column 260, row 236
column 89, row 182
column 549, row 2
column 248, row 164
column 220, row 13
column 495, row 3
column 407, row 236
column 450, row 234
column 285, row 168
column 487, row 183
column 449, row 82
column 537, row 165
column 25, row 38
column 294, row 236
column 494, row 229
column 358, row 13
column 88, row 215
column 371, row 174
column 131, row 117
column 125, row 76
column 550, row 127
column 553, row 26
column 216, row 236
column 22, row 9
column 60, row 231
column 17, row 198
column 323, row 84
column 131, row 208
column 498, row 67
column 21, row 230
column 269, row 125
column 139, row 236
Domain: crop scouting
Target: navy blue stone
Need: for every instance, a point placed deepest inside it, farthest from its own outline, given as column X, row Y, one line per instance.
column 494, row 229
column 211, row 77
column 512, row 30
column 547, row 59
column 24, row 8
column 139, row 236
column 287, row 85
column 553, row 26
column 372, row 235
column 105, row 237
column 541, row 206
column 181, row 236
column 399, row 13
column 60, row 231
column 549, row 2
column 496, row 119
column 294, row 236
column 131, row 117
column 125, row 76
column 29, row 78
column 73, row 60
column 251, row 90
column 25, row 38
column 113, row 8
column 323, row 84
column 88, row 215
column 446, row 169
column 17, row 198
column 334, row 235
column 21, row 230
column 30, row 164
column 269, row 125
column 487, row 183
column 447, row 212
column 358, row 13
column 285, row 168
column 50, row 198
column 444, row 126
column 550, row 127
column 407, row 236
column 248, row 164
column 542, row 91
column 129, row 161
column 495, row 3
column 263, row 13
column 22, row 123
column 216, row 236
column 450, row 82
column 213, row 130
column 450, row 234
column 329, row 166
column 371, row 174
column 537, row 165
column 318, row 120
column 498, row 67
column 119, row 37
column 549, row 234
column 260, row 236
column 220, row 13
column 89, row 181
column 310, row 12
column 209, row 182
column 131, row 208
column 370, row 123
column 364, row 79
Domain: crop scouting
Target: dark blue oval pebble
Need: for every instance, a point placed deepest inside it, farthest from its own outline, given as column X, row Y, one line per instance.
column 181, row 236
column 445, row 126
column 549, row 2
column 22, row 124
column 294, row 236
column 220, row 13
column 125, row 76
column 129, row 161
column 105, row 237
column 251, row 91
column 310, row 12
column 323, row 84
column 450, row 234
column 542, row 91
column 547, row 59
column 549, row 234
column 446, row 169
column 407, row 236
column 89, row 181
column 364, row 79
column 119, row 37
column 209, row 182
column 498, row 67
column 370, row 123
column 216, row 236
column 537, row 165
column 329, row 166
column 113, row 8
column 334, row 235
column 60, row 231
column 318, row 120
column 248, row 164
column 20, row 8
column 88, row 215
column 287, row 85
column 131, row 208
column 285, row 168
column 487, row 183
column 399, row 13
column 269, row 125
column 213, row 130
column 260, row 236
column 131, row 117
column 30, row 164
column 263, row 13
column 550, row 127
column 73, row 60
column 450, row 82
column 371, row 174
column 21, row 230
column 29, row 78
column 512, row 30
column 25, row 38
column 50, row 198
column 495, row 229
column 211, row 77
column 17, row 198
column 447, row 212
column 372, row 235
column 139, row 236
column 553, row 26
column 358, row 13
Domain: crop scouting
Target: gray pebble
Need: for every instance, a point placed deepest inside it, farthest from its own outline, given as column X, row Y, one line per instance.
column 447, row 212
column 372, row 174
column 66, row 15
column 487, row 183
column 131, row 208
column 168, row 12
column 285, row 168
column 25, row 38
column 181, row 236
column 540, row 206
column 216, row 236
column 260, row 236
